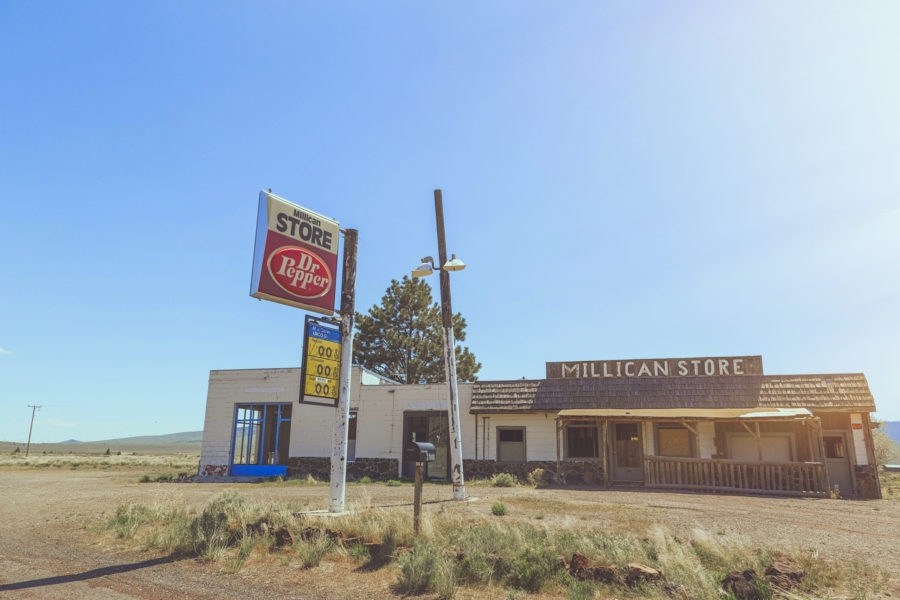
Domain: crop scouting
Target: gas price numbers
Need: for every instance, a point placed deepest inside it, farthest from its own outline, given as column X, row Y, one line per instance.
column 322, row 362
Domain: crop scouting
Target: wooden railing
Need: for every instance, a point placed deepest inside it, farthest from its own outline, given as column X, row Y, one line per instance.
column 795, row 479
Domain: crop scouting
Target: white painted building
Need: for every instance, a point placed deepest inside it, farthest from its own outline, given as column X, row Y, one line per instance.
column 728, row 427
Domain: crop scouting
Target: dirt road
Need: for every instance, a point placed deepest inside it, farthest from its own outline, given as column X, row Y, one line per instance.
column 49, row 549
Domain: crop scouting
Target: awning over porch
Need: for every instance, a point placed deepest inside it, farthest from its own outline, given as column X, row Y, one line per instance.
column 691, row 414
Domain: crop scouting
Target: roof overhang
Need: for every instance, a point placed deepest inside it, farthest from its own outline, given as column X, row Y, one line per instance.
column 681, row 414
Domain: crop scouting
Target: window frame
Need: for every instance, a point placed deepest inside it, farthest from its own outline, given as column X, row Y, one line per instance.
column 259, row 466
column 598, row 439
column 692, row 439
column 524, row 443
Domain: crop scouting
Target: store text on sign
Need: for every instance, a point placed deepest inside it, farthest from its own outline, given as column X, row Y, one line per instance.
column 657, row 367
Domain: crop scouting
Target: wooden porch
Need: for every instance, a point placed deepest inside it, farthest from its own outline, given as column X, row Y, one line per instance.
column 713, row 475
column 805, row 475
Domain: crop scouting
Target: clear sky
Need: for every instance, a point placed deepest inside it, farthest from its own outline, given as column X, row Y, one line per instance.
column 623, row 179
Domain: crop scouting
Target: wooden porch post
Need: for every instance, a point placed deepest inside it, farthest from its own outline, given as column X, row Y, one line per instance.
column 809, row 438
column 558, row 478
column 870, row 450
column 758, row 442
column 607, row 476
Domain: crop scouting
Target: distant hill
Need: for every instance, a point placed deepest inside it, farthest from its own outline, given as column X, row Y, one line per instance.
column 892, row 428
column 185, row 437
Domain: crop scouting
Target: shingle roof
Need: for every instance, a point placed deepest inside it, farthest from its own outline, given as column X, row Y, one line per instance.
column 551, row 395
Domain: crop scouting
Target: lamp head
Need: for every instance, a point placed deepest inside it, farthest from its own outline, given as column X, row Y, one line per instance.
column 425, row 269
column 454, row 264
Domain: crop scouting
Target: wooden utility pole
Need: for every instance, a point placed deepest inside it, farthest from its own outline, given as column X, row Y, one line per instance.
column 456, row 466
column 33, row 408
column 342, row 411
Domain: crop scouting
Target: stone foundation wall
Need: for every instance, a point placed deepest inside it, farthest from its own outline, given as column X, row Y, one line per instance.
column 867, row 482
column 571, row 472
column 320, row 468
column 213, row 471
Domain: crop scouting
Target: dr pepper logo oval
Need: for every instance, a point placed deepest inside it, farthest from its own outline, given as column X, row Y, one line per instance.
column 300, row 272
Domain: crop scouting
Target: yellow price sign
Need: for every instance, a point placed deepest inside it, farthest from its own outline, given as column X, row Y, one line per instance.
column 321, row 361
column 324, row 350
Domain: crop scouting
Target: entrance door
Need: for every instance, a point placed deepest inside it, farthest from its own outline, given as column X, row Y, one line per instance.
column 262, row 434
column 432, row 427
column 837, row 461
column 627, row 456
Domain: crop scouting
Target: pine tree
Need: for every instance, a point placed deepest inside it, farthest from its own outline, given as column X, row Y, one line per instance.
column 401, row 338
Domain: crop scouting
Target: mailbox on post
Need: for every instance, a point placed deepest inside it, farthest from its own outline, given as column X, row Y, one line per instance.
column 424, row 451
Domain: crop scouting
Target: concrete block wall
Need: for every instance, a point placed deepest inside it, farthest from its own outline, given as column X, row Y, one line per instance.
column 228, row 388
column 379, row 406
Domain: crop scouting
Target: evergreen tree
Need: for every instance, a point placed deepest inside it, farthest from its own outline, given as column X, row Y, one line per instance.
column 401, row 338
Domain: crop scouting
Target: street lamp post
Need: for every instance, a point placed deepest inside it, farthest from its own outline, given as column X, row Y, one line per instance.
column 456, row 466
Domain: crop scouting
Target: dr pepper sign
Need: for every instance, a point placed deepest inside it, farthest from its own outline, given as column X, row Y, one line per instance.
column 295, row 257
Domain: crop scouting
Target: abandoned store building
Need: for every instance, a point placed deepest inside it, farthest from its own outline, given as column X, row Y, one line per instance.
column 704, row 424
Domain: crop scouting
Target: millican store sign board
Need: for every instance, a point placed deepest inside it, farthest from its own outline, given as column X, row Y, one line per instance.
column 295, row 257
column 657, row 367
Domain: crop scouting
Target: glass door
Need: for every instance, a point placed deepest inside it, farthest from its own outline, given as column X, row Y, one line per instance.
column 262, row 434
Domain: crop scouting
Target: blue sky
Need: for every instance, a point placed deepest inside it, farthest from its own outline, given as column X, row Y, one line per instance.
column 623, row 180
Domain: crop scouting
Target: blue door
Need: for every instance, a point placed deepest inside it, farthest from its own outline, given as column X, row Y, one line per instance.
column 262, row 434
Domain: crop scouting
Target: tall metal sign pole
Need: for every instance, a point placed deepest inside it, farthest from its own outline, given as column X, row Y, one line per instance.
column 456, row 466
column 33, row 408
column 342, row 411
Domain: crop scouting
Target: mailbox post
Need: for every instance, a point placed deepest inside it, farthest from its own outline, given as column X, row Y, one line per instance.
column 424, row 454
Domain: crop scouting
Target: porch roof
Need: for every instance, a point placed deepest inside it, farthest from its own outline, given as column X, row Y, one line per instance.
column 730, row 414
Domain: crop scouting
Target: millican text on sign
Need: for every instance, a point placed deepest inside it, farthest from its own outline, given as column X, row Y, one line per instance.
column 657, row 367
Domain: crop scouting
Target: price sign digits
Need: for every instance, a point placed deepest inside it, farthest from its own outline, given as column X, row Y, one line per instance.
column 321, row 361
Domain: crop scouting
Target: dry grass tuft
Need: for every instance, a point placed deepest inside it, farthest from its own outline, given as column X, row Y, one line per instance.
column 460, row 547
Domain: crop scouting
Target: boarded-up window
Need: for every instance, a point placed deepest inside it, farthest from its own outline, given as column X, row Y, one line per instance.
column 674, row 441
column 775, row 448
column 582, row 442
column 511, row 444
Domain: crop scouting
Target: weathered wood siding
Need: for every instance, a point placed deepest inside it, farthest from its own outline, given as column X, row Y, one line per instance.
column 540, row 435
column 859, row 439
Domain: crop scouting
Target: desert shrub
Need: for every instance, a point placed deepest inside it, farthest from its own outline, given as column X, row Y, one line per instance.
column 313, row 549
column 173, row 532
column 359, row 552
column 366, row 479
column 503, row 480
column 539, row 478
column 426, row 569
column 128, row 519
column 498, row 509
column 209, row 530
column 532, row 568
column 245, row 549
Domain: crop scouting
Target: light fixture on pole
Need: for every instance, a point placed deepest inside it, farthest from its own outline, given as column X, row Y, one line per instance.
column 427, row 268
